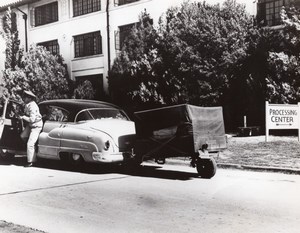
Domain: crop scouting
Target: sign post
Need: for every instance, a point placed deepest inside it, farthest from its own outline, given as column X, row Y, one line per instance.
column 267, row 125
column 282, row 116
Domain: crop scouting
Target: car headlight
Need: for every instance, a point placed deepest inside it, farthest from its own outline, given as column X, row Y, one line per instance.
column 106, row 145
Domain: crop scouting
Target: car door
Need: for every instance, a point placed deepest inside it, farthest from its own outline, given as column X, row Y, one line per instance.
column 55, row 119
column 11, row 126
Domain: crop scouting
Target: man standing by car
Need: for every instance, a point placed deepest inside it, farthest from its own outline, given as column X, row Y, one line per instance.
column 33, row 128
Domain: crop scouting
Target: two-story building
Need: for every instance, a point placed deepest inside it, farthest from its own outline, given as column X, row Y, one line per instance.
column 87, row 33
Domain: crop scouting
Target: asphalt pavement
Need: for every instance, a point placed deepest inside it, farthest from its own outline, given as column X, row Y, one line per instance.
column 6, row 227
column 157, row 198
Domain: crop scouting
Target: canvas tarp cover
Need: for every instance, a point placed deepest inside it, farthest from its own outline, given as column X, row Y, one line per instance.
column 206, row 125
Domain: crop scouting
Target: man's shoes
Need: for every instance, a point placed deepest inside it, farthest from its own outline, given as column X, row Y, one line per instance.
column 29, row 165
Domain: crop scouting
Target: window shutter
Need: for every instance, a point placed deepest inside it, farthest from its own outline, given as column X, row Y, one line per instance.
column 117, row 40
column 32, row 18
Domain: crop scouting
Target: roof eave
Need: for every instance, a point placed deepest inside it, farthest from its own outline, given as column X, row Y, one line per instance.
column 16, row 4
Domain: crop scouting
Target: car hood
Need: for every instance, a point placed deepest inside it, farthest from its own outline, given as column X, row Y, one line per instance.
column 113, row 127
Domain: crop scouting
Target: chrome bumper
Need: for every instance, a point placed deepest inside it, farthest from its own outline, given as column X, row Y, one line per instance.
column 105, row 157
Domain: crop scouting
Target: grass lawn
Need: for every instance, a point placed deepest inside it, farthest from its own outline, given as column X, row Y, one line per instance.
column 279, row 151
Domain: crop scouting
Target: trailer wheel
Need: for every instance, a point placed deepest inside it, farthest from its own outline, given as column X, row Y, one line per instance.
column 6, row 156
column 206, row 168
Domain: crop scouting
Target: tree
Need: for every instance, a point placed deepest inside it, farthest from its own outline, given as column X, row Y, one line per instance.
column 11, row 36
column 132, row 78
column 39, row 71
column 84, row 90
column 269, row 71
column 273, row 59
column 210, row 55
column 189, row 58
column 201, row 46
column 246, row 94
column 285, row 61
column 284, row 87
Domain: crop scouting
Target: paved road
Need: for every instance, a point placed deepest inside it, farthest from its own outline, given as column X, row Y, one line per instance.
column 169, row 199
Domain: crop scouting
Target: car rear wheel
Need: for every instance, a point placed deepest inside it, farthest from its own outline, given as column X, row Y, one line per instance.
column 75, row 160
column 5, row 155
column 206, row 168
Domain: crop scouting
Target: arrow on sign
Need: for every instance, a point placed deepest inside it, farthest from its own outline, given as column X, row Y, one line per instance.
column 283, row 124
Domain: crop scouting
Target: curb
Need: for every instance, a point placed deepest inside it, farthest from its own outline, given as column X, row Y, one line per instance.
column 240, row 167
column 260, row 168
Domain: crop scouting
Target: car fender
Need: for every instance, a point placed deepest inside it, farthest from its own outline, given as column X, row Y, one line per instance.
column 84, row 141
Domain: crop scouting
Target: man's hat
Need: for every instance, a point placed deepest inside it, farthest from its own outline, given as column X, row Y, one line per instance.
column 30, row 94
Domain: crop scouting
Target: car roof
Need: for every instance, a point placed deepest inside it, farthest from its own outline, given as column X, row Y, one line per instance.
column 73, row 106
column 80, row 103
column 76, row 105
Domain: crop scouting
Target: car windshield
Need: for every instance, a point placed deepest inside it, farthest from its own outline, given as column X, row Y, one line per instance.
column 100, row 113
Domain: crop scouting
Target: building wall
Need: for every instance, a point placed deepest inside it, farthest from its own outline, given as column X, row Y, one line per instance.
column 68, row 26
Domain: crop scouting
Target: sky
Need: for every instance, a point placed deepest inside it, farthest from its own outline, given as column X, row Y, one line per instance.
column 2, row 2
column 250, row 4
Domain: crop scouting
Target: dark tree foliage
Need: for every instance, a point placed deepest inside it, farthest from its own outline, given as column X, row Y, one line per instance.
column 210, row 55
column 269, row 72
column 189, row 58
column 201, row 46
column 84, row 90
column 11, row 35
column 39, row 71
column 132, row 78
column 247, row 90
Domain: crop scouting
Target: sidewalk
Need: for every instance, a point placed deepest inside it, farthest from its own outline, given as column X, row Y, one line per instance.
column 279, row 154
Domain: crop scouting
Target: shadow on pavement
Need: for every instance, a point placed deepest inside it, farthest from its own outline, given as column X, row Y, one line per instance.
column 156, row 172
column 153, row 171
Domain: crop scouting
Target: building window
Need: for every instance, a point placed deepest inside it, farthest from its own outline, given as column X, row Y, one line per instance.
column 269, row 11
column 273, row 12
column 123, row 2
column 122, row 34
column 51, row 46
column 88, row 44
column 82, row 7
column 46, row 14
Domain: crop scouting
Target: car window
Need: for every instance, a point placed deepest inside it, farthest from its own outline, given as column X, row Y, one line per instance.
column 100, row 113
column 14, row 110
column 54, row 113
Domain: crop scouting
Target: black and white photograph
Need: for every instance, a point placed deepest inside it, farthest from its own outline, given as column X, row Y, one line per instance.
column 149, row 116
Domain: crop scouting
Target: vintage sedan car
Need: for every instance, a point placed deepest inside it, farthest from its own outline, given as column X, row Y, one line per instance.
column 74, row 131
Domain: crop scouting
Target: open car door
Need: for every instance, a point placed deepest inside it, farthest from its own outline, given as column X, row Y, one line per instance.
column 11, row 126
